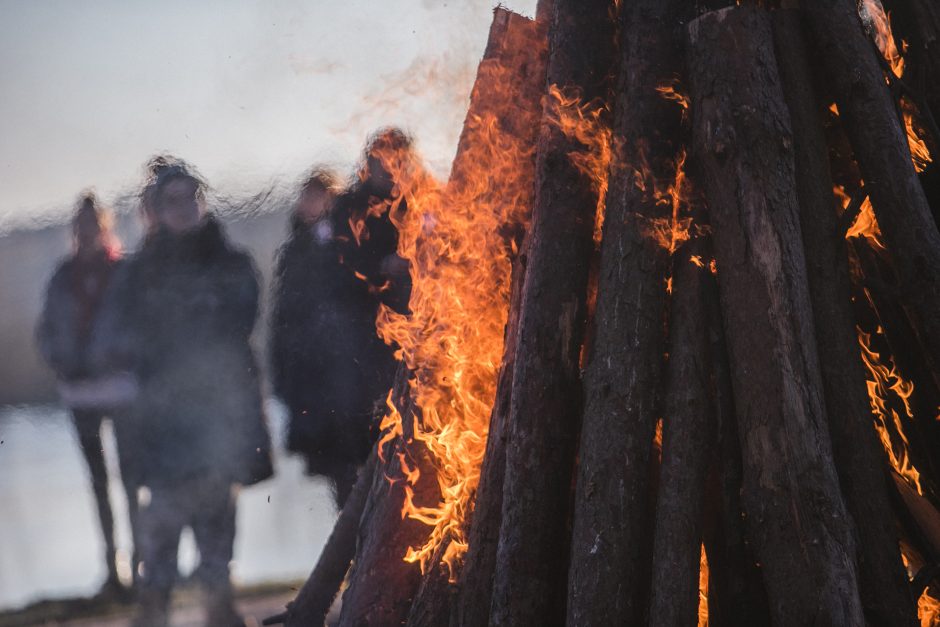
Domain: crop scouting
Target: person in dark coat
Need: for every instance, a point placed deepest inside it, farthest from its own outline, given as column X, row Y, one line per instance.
column 328, row 364
column 179, row 316
column 72, row 302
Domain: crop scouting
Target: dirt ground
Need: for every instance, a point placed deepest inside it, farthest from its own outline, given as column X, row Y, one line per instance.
column 255, row 604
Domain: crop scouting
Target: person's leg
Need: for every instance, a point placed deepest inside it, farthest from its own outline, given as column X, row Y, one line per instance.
column 213, row 526
column 128, row 452
column 159, row 524
column 88, row 426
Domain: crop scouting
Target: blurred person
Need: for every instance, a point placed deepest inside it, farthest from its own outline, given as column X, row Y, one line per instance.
column 179, row 316
column 72, row 303
column 323, row 345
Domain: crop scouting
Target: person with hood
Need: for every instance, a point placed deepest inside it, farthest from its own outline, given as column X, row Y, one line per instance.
column 179, row 316
column 72, row 303
column 328, row 365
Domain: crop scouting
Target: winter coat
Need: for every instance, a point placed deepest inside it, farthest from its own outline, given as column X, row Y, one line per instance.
column 73, row 298
column 179, row 315
column 328, row 364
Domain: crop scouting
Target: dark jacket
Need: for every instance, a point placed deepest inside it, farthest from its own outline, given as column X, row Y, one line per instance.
column 329, row 366
column 179, row 315
column 73, row 299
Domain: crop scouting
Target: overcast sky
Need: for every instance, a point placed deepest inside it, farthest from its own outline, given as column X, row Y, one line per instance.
column 249, row 91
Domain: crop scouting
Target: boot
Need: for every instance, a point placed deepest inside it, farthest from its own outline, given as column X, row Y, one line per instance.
column 220, row 609
column 153, row 610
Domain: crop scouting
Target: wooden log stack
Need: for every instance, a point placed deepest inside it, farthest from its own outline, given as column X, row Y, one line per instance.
column 791, row 480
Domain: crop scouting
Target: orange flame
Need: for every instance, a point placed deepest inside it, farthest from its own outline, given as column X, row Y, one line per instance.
column 928, row 610
column 587, row 123
column 884, row 380
column 879, row 25
column 460, row 267
column 865, row 224
column 703, row 590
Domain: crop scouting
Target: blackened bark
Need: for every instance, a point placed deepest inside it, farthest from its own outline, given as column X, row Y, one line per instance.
column 858, row 454
column 529, row 583
column 381, row 584
column 476, row 577
column 509, row 87
column 796, row 517
column 317, row 594
column 736, row 595
column 610, row 547
column 880, row 145
column 688, row 420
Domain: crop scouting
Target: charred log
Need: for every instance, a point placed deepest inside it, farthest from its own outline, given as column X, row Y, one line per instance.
column 318, row 592
column 860, row 460
column 796, row 517
column 879, row 142
column 736, row 595
column 529, row 582
column 610, row 549
column 687, row 437
column 381, row 584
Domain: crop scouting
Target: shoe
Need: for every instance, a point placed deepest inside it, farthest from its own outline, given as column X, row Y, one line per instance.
column 153, row 610
column 220, row 610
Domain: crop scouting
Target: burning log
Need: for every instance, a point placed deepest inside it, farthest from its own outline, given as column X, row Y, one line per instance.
column 610, row 539
column 688, row 421
column 476, row 580
column 529, row 585
column 736, row 594
column 796, row 516
column 860, row 460
column 381, row 584
column 880, row 144
column 508, row 90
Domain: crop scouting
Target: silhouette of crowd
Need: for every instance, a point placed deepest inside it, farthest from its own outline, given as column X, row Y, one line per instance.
column 159, row 341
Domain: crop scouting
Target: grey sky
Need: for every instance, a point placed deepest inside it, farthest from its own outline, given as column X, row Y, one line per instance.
column 247, row 90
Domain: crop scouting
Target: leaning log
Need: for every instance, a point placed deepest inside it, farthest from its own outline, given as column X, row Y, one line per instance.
column 688, row 418
column 736, row 595
column 381, row 584
column 880, row 145
column 505, row 100
column 317, row 594
column 743, row 140
column 530, row 576
column 859, row 458
column 610, row 546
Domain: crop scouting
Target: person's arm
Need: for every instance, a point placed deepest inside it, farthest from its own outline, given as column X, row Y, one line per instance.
column 50, row 336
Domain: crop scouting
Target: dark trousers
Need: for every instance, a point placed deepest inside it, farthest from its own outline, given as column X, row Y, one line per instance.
column 207, row 506
column 88, row 426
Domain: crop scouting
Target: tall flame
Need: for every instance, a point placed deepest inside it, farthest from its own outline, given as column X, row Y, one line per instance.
column 460, row 260
column 885, row 380
column 879, row 24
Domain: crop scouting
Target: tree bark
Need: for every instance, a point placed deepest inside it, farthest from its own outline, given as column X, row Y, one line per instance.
column 736, row 595
column 858, row 454
column 688, row 421
column 880, row 145
column 381, row 584
column 476, row 577
column 529, row 582
column 796, row 516
column 317, row 594
column 509, row 87
column 610, row 546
